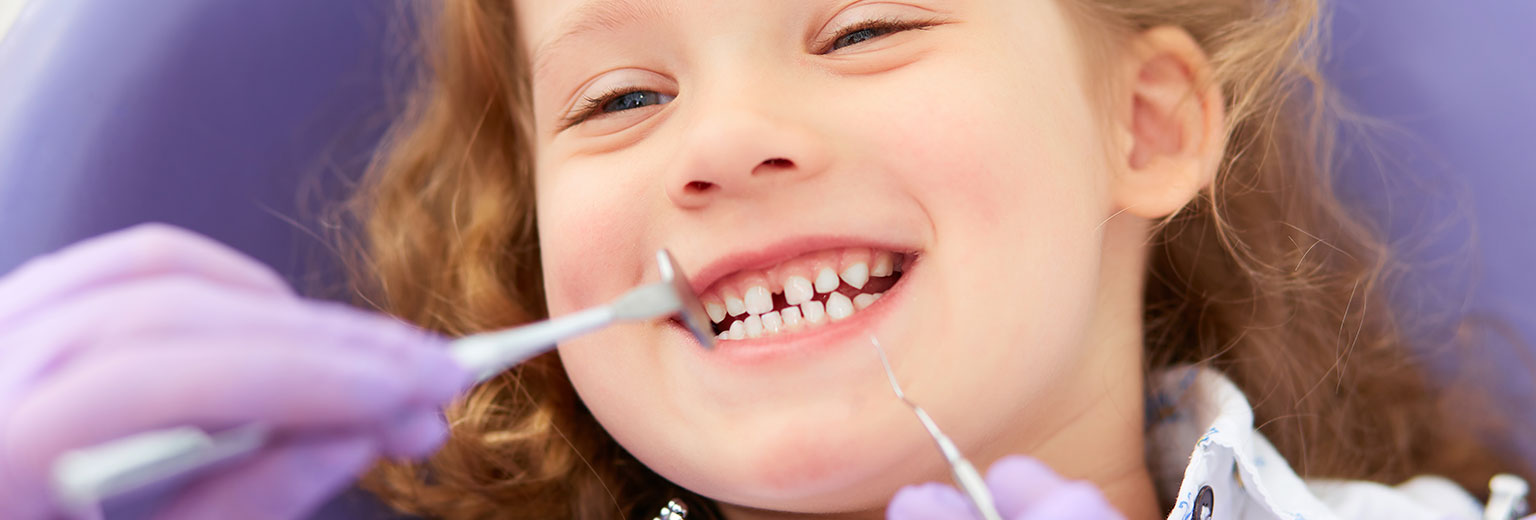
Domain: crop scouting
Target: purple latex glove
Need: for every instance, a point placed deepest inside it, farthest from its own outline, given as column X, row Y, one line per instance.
column 1023, row 488
column 156, row 327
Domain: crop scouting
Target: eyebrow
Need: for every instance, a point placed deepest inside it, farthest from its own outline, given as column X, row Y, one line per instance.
column 597, row 16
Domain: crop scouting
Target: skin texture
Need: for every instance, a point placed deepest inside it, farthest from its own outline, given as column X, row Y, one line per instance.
column 976, row 143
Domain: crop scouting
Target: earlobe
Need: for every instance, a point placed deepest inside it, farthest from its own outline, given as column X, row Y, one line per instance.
column 1173, row 122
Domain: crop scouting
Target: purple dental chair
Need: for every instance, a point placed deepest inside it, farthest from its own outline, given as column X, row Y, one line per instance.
column 239, row 119
column 243, row 119
column 1453, row 180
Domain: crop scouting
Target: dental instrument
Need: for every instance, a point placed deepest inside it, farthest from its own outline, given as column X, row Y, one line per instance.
column 970, row 481
column 153, row 462
column 494, row 352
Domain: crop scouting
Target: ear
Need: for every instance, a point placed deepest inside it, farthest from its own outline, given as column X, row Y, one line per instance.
column 1171, row 118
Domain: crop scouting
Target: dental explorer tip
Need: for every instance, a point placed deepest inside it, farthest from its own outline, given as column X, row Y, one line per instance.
column 889, row 374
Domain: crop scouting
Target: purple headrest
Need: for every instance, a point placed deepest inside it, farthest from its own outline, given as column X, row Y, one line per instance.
column 1452, row 178
column 215, row 116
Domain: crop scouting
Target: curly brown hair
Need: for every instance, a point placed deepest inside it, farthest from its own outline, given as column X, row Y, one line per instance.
column 1266, row 277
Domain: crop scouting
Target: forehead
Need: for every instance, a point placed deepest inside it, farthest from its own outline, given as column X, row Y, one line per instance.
column 547, row 25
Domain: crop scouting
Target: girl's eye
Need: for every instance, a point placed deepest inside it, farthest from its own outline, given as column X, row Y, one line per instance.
column 871, row 29
column 634, row 99
column 860, row 36
column 616, row 101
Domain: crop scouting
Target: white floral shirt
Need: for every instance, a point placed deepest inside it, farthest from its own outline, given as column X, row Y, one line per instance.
column 1230, row 471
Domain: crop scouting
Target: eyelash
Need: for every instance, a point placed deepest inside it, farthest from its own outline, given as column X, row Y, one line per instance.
column 591, row 106
column 889, row 25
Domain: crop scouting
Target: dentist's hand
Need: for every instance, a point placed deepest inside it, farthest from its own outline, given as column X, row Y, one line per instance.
column 156, row 327
column 1024, row 489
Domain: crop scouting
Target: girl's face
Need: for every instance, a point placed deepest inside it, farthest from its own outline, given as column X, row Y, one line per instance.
column 942, row 155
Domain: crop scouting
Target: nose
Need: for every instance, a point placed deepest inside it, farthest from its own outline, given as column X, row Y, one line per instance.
column 734, row 153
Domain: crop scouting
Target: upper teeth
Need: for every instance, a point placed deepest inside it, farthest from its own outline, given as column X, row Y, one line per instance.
column 809, row 289
column 883, row 266
column 734, row 305
column 826, row 280
column 716, row 311
column 797, row 290
column 857, row 275
column 759, row 300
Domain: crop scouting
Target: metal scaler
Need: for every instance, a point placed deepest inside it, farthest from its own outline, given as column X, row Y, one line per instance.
column 966, row 476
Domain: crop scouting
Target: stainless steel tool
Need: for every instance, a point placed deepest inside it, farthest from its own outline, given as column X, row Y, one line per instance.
column 158, row 461
column 966, row 476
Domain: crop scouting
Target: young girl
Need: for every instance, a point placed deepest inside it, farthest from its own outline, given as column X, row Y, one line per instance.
column 1052, row 206
column 1096, row 238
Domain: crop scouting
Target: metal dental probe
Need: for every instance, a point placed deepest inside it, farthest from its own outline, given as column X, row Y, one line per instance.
column 966, row 476
column 158, row 461
column 494, row 352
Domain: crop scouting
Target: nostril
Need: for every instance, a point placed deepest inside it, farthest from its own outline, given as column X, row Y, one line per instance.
column 699, row 186
column 778, row 162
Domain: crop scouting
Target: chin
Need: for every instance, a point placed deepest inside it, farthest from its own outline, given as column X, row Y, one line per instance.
column 821, row 466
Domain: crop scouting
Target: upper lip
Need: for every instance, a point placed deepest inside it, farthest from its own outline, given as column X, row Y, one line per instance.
column 778, row 252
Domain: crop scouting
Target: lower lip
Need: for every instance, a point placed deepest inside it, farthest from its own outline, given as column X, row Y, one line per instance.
column 804, row 342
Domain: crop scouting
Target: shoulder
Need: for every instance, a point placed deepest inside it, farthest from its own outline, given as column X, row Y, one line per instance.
column 1205, row 452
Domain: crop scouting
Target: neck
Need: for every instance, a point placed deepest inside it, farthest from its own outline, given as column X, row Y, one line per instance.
column 1098, row 427
column 1104, row 443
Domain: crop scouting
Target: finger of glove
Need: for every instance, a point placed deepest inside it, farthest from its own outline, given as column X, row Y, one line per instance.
column 142, row 251
column 117, row 394
column 1018, row 483
column 288, row 480
column 417, row 434
column 179, row 304
column 930, row 501
column 154, row 311
column 1071, row 501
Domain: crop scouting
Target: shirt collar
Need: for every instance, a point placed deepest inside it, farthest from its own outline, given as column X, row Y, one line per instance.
column 1201, row 441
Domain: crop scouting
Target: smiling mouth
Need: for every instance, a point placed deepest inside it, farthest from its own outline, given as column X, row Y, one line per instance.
column 803, row 293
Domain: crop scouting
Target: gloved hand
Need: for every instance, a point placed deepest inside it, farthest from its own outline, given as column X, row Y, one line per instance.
column 156, row 327
column 1023, row 488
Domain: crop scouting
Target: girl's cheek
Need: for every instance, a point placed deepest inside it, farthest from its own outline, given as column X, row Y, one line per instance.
column 975, row 163
column 957, row 170
column 589, row 238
